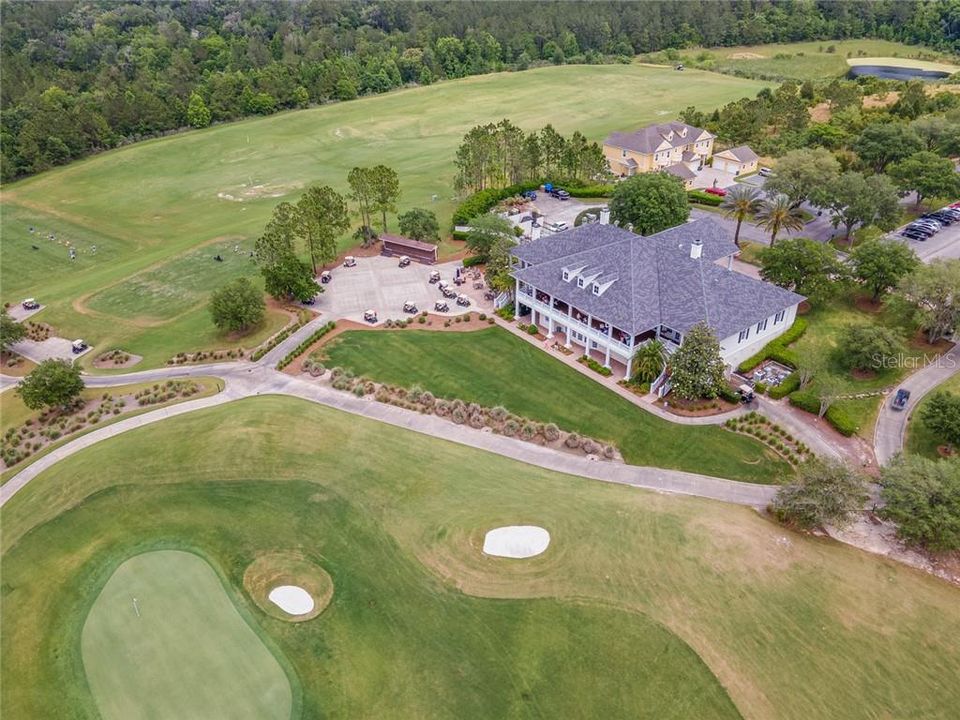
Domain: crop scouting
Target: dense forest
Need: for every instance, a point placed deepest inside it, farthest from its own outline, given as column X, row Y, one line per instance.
column 84, row 76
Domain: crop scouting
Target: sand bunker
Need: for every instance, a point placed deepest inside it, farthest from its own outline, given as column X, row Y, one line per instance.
column 516, row 541
column 292, row 599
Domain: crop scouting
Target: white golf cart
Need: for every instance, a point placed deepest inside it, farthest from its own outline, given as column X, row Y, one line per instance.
column 349, row 261
column 404, row 261
column 370, row 316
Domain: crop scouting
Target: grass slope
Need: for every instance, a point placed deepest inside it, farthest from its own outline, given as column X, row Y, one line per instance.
column 423, row 625
column 188, row 653
column 492, row 367
column 920, row 441
column 151, row 204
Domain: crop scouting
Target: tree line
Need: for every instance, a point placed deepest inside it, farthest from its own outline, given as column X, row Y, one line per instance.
column 501, row 154
column 81, row 77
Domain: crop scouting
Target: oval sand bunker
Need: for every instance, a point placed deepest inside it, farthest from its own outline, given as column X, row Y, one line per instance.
column 291, row 599
column 516, row 541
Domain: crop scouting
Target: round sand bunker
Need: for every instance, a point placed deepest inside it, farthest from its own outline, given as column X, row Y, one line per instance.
column 516, row 541
column 292, row 599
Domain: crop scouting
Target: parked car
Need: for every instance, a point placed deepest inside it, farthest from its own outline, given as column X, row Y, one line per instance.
column 719, row 192
column 463, row 301
column 940, row 217
column 325, row 277
column 920, row 230
column 404, row 261
column 900, row 399
column 556, row 227
column 559, row 193
column 530, row 194
column 310, row 300
column 765, row 172
column 78, row 346
column 30, row 304
column 434, row 276
column 370, row 316
column 441, row 306
column 918, row 235
column 349, row 261
column 409, row 307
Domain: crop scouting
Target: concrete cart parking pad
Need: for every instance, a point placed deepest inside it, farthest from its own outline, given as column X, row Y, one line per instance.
column 54, row 348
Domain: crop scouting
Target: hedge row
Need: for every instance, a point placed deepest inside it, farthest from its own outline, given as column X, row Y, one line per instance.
column 276, row 340
column 593, row 365
column 704, row 198
column 482, row 200
column 790, row 384
column 302, row 347
column 777, row 349
column 836, row 416
column 473, row 260
column 591, row 191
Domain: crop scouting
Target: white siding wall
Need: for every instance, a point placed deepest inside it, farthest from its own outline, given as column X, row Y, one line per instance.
column 735, row 352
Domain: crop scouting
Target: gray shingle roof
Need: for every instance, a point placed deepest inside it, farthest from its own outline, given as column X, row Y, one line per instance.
column 741, row 153
column 656, row 280
column 647, row 139
column 681, row 171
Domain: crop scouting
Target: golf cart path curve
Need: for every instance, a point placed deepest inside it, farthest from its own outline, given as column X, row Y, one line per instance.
column 891, row 427
column 249, row 380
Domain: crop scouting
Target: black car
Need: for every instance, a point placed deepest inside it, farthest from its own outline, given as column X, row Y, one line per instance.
column 915, row 235
column 922, row 228
column 941, row 218
column 560, row 194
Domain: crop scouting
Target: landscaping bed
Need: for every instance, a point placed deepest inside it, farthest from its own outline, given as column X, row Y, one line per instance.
column 696, row 408
column 115, row 359
column 15, row 365
column 772, row 435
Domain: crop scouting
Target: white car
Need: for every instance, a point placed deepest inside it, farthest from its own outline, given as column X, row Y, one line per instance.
column 556, row 227
column 30, row 304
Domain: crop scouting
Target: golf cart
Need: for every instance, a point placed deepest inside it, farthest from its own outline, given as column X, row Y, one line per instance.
column 325, row 277
column 78, row 346
column 746, row 394
column 404, row 261
column 349, row 261
column 448, row 293
column 441, row 306
column 409, row 307
column 900, row 399
column 434, row 276
column 30, row 304
column 310, row 300
column 370, row 316
column 463, row 301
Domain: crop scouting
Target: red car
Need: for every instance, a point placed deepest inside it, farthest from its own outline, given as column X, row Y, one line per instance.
column 955, row 205
column 719, row 192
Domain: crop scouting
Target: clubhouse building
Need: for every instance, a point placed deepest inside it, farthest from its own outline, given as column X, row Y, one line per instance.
column 607, row 291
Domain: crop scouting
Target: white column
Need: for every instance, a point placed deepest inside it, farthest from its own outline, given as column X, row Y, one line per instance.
column 629, row 366
column 606, row 362
column 549, row 326
column 568, row 343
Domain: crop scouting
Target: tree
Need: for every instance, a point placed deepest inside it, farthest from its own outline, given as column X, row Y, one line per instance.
column 941, row 415
column 922, row 497
column 933, row 290
column 485, row 230
column 385, row 191
column 198, row 114
column 741, row 202
column 880, row 264
column 801, row 174
column 824, row 492
column 289, row 278
column 322, row 218
column 362, row 191
column 776, row 214
column 802, row 265
column 649, row 361
column 420, row 224
column 857, row 200
column 54, row 383
column 10, row 331
column 884, row 143
column 498, row 264
column 650, row 202
column 696, row 368
column 237, row 306
column 867, row 346
column 827, row 389
column 927, row 174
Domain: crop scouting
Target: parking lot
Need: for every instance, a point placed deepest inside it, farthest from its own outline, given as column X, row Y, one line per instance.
column 54, row 348
column 378, row 283
column 945, row 245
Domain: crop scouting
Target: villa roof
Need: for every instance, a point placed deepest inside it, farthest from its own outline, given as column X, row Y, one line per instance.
column 659, row 136
column 653, row 280
column 681, row 171
column 741, row 153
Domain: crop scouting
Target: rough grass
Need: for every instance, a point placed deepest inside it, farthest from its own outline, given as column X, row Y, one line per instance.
column 188, row 653
column 492, row 367
column 152, row 203
column 920, row 441
column 423, row 625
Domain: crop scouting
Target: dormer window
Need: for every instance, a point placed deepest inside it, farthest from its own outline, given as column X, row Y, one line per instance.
column 596, row 288
column 580, row 282
column 566, row 276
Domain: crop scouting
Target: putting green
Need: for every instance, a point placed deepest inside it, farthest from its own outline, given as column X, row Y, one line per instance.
column 163, row 640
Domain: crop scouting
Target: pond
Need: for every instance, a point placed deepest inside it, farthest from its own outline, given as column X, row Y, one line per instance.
column 891, row 72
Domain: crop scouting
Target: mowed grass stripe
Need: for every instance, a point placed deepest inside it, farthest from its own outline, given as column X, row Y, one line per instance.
column 147, row 203
column 491, row 367
column 183, row 652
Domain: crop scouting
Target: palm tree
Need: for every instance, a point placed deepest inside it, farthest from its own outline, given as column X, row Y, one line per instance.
column 648, row 361
column 741, row 202
column 775, row 214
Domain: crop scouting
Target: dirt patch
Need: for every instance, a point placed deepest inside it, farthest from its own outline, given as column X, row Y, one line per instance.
column 116, row 359
column 866, row 304
column 277, row 569
column 880, row 100
column 859, row 374
column 15, row 365
column 746, row 56
column 820, row 113
column 245, row 193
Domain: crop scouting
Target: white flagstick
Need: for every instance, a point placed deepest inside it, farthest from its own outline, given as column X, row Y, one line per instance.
column 136, row 607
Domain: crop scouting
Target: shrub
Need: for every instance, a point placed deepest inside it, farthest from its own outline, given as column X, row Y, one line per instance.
column 551, row 432
column 528, row 431
column 590, row 447
column 704, row 198
column 476, row 421
column 790, row 384
column 591, row 191
column 427, row 399
column 499, row 413
column 358, row 390
column 459, row 415
column 572, row 441
column 532, row 329
column 482, row 317
column 482, row 201
column 510, row 427
column 760, row 388
column 609, row 452
column 595, row 366
column 473, row 260
column 729, row 394
column 777, row 349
